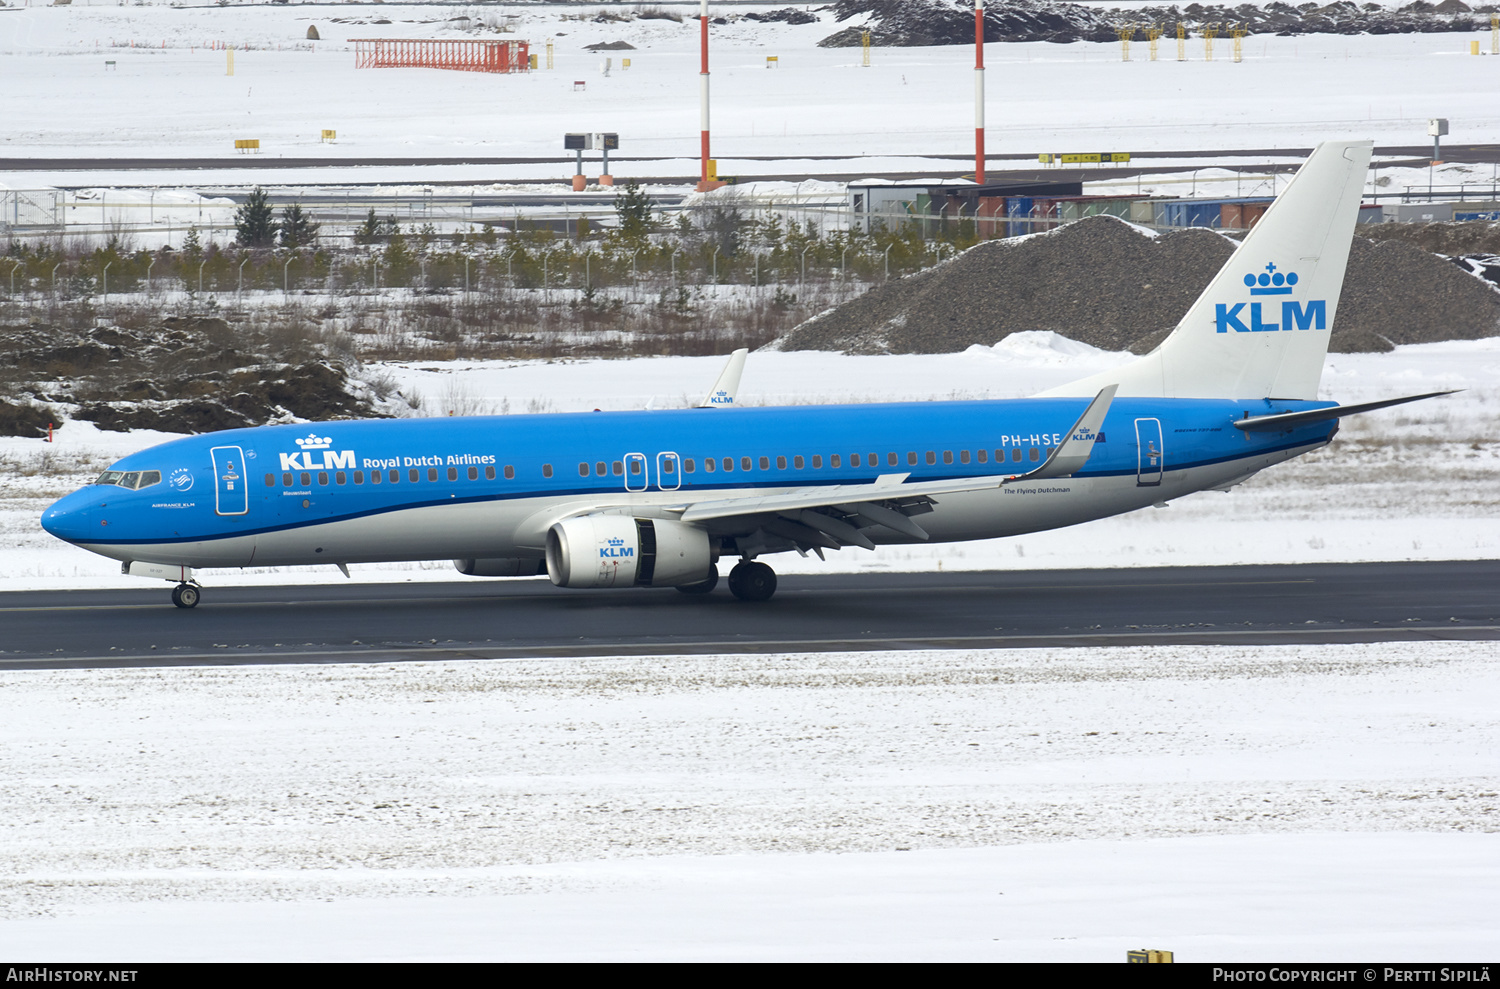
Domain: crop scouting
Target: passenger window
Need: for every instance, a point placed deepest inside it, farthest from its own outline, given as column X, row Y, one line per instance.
column 395, row 477
column 473, row 473
column 963, row 456
column 546, row 470
column 1036, row 454
column 947, row 456
column 911, row 458
column 744, row 463
column 432, row 474
column 853, row 460
column 376, row 477
column 688, row 466
column 729, row 463
column 322, row 477
column 891, row 459
column 635, row 467
column 835, row 461
column 798, row 462
column 984, row 456
column 601, row 468
column 340, row 478
column 306, row 480
column 583, row 470
column 931, row 457
column 270, row 480
column 359, row 476
column 286, row 479
column 414, row 475
column 817, row 462
column 709, row 464
column 452, row 473
column 1015, row 454
column 765, row 463
column 617, row 468
column 668, row 465
column 999, row 456
column 781, row 463
column 489, row 473
column 510, row 472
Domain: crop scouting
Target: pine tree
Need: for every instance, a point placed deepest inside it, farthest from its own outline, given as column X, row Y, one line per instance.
column 633, row 207
column 371, row 231
column 297, row 228
column 255, row 222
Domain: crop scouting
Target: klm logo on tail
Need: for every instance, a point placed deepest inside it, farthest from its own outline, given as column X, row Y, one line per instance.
column 1293, row 316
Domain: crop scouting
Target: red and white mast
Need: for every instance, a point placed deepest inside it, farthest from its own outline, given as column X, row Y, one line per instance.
column 978, row 92
column 703, row 97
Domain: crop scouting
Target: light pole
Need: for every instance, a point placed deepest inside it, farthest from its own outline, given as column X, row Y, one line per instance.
column 286, row 287
column 104, row 276
column 200, row 275
column 802, row 282
column 13, row 267
column 149, row 265
column 54, row 280
column 239, row 288
column 979, row 92
column 716, row 264
column 888, row 261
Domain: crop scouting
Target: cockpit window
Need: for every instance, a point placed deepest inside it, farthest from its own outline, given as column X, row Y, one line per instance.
column 133, row 479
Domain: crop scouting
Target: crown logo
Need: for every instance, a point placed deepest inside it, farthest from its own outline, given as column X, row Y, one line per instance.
column 312, row 441
column 1271, row 282
column 616, row 541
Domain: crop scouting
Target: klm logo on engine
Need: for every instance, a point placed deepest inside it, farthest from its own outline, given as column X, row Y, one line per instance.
column 1263, row 317
column 329, row 459
column 616, row 549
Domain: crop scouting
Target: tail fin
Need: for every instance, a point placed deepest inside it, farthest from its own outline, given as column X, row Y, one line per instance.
column 1260, row 329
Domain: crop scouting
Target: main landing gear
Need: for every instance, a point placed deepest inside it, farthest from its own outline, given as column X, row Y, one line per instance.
column 185, row 595
column 752, row 581
column 748, row 581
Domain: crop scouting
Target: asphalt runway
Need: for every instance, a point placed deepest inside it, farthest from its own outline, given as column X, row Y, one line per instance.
column 496, row 619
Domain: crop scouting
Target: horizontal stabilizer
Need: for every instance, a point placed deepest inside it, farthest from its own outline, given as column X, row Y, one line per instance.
column 1289, row 420
column 1069, row 456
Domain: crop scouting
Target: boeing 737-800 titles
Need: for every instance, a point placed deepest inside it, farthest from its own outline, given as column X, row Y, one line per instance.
column 657, row 499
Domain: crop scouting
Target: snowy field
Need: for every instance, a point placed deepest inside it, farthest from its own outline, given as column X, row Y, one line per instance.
column 1420, row 482
column 1273, row 803
column 58, row 99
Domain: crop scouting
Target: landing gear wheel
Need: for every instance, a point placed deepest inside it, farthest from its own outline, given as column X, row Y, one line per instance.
column 703, row 586
column 185, row 596
column 751, row 581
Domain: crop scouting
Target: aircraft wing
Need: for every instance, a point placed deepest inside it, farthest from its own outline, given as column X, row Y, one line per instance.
column 833, row 515
column 725, row 389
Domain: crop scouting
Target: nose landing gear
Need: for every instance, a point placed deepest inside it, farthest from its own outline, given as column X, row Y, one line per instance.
column 752, row 581
column 185, row 595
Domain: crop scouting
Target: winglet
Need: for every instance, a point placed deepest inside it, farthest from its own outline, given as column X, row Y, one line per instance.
column 1070, row 455
column 723, row 393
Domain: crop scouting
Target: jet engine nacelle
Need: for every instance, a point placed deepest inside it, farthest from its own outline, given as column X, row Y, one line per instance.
column 619, row 551
column 501, row 567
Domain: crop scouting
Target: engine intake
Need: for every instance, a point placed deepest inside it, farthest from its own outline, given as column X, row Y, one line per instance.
column 618, row 551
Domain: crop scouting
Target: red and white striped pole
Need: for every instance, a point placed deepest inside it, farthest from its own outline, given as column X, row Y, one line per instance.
column 703, row 97
column 978, row 92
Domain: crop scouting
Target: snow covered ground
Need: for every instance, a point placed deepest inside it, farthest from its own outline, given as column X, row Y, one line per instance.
column 59, row 99
column 1420, row 482
column 1271, row 803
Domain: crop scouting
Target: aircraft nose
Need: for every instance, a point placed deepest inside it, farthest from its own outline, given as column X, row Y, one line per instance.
column 69, row 517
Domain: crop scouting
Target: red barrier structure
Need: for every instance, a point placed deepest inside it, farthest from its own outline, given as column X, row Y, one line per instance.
column 466, row 56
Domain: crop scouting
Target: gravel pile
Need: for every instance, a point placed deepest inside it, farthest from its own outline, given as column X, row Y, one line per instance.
column 1103, row 282
column 895, row 23
column 189, row 375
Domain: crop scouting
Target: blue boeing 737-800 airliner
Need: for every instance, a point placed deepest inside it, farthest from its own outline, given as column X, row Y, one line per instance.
column 655, row 499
